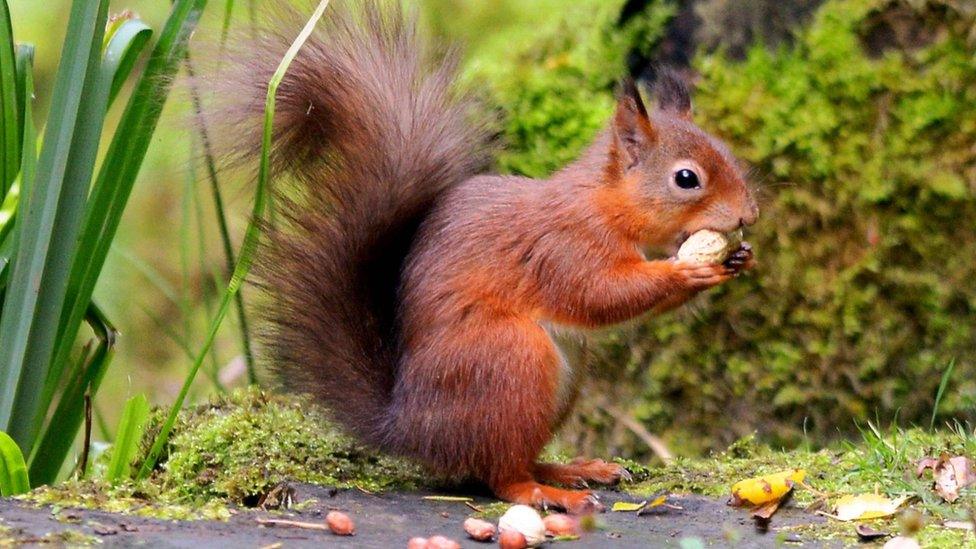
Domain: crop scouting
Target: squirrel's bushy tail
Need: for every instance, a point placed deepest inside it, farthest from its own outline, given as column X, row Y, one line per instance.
column 369, row 130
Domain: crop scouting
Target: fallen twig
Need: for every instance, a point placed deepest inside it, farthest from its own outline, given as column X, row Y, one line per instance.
column 650, row 439
column 292, row 524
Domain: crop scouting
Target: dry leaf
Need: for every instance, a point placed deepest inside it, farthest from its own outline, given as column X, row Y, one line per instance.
column 628, row 506
column 950, row 473
column 766, row 510
column 866, row 506
column 760, row 490
column 658, row 501
column 866, row 533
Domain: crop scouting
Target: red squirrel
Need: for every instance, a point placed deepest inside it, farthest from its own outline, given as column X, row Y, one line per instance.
column 412, row 295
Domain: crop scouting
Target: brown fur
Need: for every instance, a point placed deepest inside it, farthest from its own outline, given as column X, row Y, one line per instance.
column 410, row 296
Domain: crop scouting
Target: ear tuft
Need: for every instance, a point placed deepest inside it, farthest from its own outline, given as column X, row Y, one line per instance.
column 672, row 93
column 630, row 92
column 632, row 128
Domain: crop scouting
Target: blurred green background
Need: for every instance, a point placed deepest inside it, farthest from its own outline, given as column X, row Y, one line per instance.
column 857, row 117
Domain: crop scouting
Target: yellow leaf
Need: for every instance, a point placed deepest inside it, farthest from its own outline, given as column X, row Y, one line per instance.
column 760, row 490
column 866, row 506
column 628, row 506
column 658, row 501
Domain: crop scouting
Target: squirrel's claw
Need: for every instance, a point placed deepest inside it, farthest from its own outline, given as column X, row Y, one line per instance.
column 741, row 260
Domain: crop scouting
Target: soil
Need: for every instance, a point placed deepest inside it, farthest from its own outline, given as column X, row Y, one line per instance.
column 390, row 519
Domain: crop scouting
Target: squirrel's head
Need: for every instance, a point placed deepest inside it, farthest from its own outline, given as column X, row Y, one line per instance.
column 679, row 179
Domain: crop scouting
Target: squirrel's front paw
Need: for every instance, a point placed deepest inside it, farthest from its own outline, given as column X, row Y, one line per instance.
column 698, row 276
column 742, row 259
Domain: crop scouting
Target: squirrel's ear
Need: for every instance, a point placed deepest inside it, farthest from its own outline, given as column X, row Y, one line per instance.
column 632, row 130
column 672, row 93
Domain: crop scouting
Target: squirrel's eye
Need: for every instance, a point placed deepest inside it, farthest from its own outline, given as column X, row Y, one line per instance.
column 686, row 179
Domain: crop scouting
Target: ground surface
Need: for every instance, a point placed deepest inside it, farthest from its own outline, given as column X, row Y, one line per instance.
column 390, row 519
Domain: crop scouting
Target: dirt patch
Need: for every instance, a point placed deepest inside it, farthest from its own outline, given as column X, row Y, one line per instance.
column 389, row 520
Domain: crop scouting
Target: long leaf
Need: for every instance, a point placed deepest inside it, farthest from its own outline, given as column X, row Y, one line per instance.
column 86, row 377
column 245, row 256
column 118, row 171
column 24, row 65
column 10, row 134
column 129, row 434
column 943, row 383
column 13, row 471
column 35, row 296
column 122, row 51
column 13, row 201
column 124, row 41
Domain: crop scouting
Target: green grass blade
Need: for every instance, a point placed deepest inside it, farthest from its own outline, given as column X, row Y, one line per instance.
column 245, row 256
column 46, row 231
column 946, row 376
column 120, row 168
column 10, row 132
column 24, row 66
column 122, row 49
column 8, row 210
column 130, row 431
column 85, row 377
column 25, row 78
column 13, row 471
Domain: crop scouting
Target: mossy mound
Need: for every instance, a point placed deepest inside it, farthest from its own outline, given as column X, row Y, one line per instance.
column 233, row 451
column 241, row 445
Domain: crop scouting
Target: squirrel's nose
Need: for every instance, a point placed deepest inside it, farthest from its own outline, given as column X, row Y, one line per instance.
column 750, row 217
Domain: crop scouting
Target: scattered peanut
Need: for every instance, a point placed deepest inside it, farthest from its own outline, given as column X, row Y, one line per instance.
column 510, row 539
column 561, row 525
column 479, row 530
column 441, row 542
column 340, row 524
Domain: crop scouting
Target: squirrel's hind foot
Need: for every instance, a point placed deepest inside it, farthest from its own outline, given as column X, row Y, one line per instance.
column 576, row 502
column 579, row 472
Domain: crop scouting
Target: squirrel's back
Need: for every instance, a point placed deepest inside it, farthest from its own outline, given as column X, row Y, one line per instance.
column 369, row 130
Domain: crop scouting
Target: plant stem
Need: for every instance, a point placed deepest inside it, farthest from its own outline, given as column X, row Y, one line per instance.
column 211, row 167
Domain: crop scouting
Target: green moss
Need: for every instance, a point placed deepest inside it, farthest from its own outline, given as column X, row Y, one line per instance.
column 142, row 499
column 491, row 510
